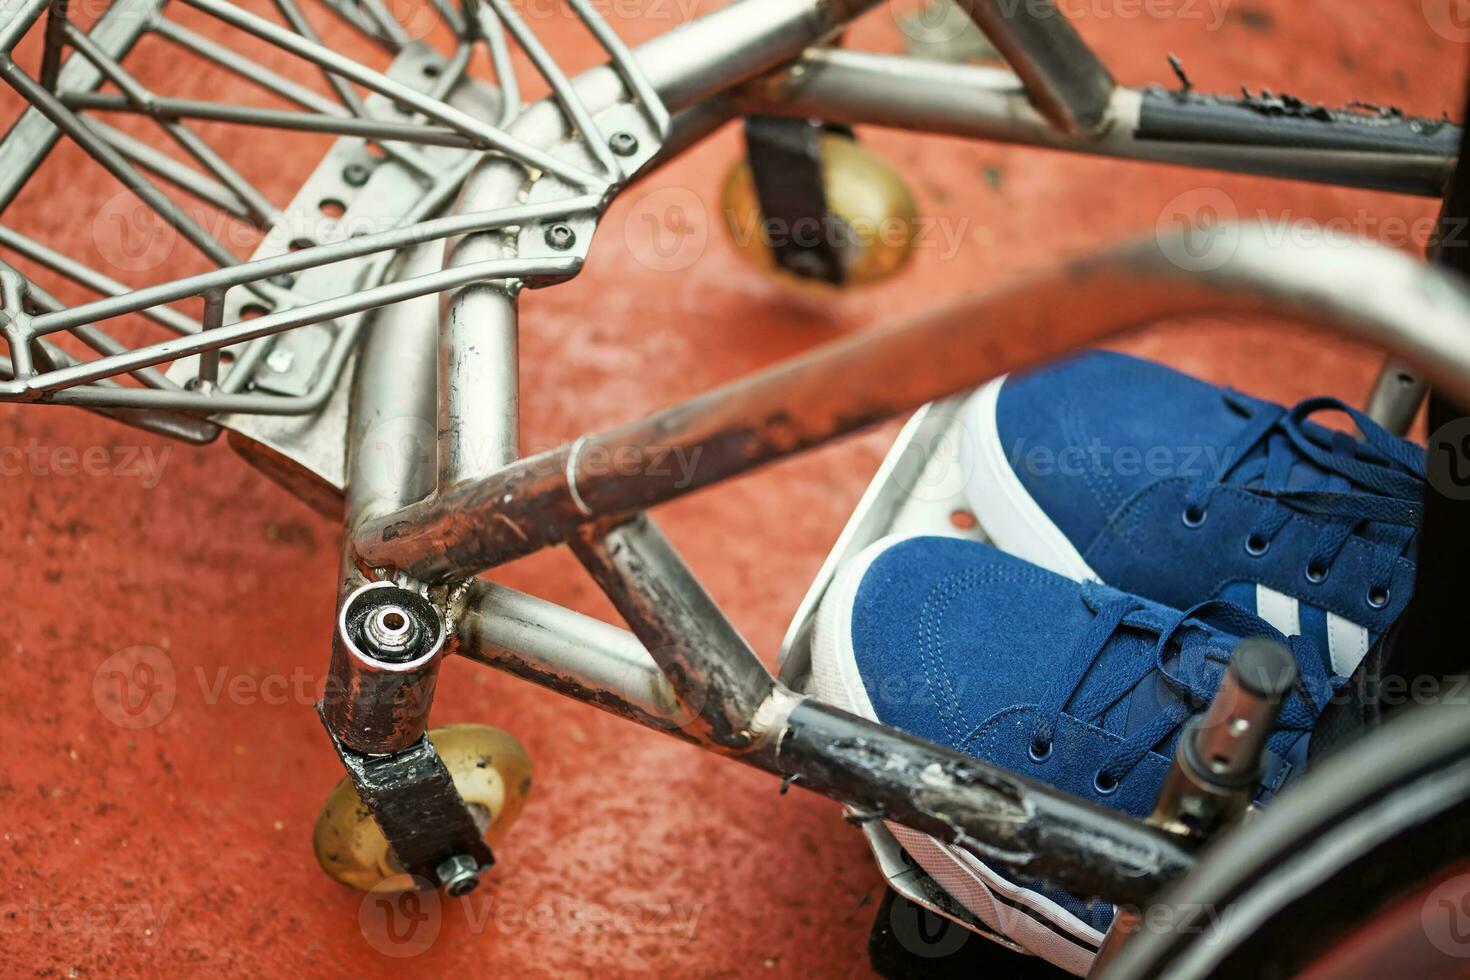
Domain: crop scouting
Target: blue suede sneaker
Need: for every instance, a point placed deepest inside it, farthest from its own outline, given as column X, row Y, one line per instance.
column 1074, row 684
column 1112, row 468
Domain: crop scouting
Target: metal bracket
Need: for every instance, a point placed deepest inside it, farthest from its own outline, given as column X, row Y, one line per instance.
column 918, row 489
column 306, row 454
column 412, row 797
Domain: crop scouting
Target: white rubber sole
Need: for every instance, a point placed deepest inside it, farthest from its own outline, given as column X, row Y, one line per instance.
column 1029, row 918
column 1011, row 519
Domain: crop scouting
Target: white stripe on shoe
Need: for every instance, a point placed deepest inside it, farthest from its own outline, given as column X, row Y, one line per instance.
column 1280, row 610
column 1347, row 644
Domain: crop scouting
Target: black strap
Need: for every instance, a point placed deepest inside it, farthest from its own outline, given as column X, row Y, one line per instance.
column 412, row 797
column 786, row 161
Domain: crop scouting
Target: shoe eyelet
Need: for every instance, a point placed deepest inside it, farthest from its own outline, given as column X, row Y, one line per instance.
column 1378, row 598
column 1039, row 752
column 1257, row 547
column 1317, row 575
column 1104, row 785
column 1193, row 517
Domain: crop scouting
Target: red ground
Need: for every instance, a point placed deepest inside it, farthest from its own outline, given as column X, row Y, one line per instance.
column 184, row 848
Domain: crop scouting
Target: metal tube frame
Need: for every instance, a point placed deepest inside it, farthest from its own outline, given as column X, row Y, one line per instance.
column 684, row 669
column 1060, row 98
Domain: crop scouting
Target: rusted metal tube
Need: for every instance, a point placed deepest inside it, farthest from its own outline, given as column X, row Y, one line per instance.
column 1064, row 78
column 560, row 649
column 717, row 677
column 1032, row 829
column 979, row 102
column 881, row 773
column 377, row 701
column 1420, row 314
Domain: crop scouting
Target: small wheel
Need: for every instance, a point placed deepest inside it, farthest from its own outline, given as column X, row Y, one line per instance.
column 877, row 219
column 491, row 771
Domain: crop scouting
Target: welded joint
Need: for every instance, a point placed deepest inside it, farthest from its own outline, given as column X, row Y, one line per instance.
column 768, row 724
column 573, row 456
column 15, row 325
column 452, row 601
column 14, row 288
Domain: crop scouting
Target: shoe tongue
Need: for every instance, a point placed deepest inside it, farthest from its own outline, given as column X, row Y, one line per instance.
column 1155, row 693
column 1303, row 474
column 1148, row 699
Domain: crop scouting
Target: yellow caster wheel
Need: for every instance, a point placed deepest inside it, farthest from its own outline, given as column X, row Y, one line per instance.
column 491, row 771
column 877, row 219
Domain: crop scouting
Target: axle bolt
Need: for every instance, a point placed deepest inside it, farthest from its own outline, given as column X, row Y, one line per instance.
column 391, row 632
column 623, row 144
column 460, row 875
column 561, row 237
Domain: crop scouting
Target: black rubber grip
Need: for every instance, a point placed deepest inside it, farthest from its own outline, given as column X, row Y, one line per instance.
column 1264, row 667
column 1286, row 122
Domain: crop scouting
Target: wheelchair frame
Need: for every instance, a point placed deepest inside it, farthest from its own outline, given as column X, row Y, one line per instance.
column 532, row 183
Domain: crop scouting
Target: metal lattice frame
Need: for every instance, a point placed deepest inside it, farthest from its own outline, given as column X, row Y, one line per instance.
column 40, row 371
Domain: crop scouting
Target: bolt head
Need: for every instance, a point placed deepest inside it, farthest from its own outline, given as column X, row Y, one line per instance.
column 623, row 144
column 356, row 174
column 459, row 875
column 391, row 633
column 280, row 361
column 561, row 237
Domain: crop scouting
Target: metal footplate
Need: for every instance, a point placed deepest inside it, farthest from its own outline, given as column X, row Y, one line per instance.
column 306, row 454
column 918, row 489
